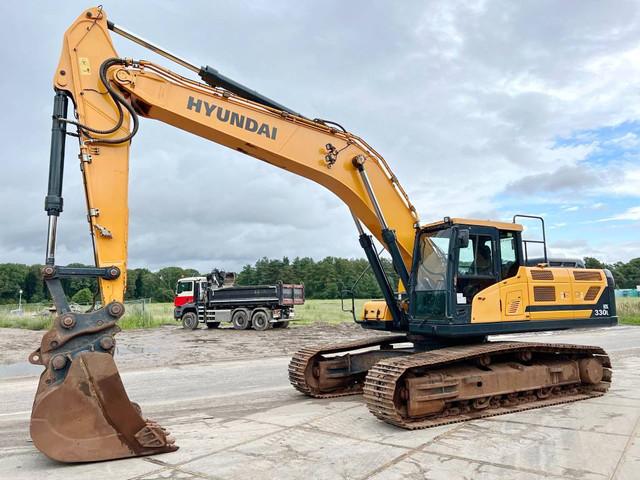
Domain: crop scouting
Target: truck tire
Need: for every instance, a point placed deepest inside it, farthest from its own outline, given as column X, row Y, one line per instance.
column 213, row 324
column 240, row 319
column 190, row 321
column 284, row 324
column 260, row 320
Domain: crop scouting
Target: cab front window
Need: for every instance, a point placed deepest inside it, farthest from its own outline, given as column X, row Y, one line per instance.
column 430, row 292
column 184, row 287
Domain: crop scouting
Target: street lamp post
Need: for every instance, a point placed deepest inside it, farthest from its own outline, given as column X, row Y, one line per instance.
column 20, row 301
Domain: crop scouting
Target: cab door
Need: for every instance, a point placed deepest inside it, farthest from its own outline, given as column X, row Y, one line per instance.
column 514, row 287
column 476, row 272
column 184, row 293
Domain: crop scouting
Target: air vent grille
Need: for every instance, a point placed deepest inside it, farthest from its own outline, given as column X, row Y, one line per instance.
column 592, row 294
column 514, row 306
column 542, row 274
column 586, row 276
column 544, row 294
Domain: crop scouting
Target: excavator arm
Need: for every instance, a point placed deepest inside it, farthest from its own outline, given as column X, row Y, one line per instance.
column 81, row 411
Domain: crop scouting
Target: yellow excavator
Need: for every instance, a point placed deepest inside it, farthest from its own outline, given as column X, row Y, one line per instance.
column 461, row 280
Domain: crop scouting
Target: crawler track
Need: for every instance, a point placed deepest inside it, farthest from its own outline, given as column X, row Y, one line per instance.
column 384, row 380
column 302, row 363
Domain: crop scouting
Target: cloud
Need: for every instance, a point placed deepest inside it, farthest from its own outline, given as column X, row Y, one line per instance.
column 628, row 183
column 631, row 214
column 466, row 101
column 564, row 179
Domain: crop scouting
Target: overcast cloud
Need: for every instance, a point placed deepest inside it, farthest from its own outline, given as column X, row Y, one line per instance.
column 482, row 109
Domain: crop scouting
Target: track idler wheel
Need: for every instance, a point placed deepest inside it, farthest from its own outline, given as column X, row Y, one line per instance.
column 591, row 371
column 88, row 416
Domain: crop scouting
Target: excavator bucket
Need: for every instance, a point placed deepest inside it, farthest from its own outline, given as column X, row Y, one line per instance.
column 81, row 412
column 89, row 417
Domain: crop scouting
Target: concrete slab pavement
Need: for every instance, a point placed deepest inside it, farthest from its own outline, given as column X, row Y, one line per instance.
column 239, row 420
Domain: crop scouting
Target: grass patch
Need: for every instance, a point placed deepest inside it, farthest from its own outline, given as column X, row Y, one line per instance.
column 148, row 315
column 628, row 310
column 35, row 316
column 633, row 320
column 153, row 315
column 325, row 311
column 29, row 323
column 137, row 315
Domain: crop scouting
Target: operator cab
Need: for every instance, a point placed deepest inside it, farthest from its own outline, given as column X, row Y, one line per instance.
column 456, row 259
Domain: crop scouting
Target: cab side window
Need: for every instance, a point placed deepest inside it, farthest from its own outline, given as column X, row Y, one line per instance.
column 508, row 255
column 477, row 258
column 475, row 268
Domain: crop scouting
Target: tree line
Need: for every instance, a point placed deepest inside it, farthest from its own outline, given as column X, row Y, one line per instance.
column 324, row 278
column 141, row 283
column 626, row 275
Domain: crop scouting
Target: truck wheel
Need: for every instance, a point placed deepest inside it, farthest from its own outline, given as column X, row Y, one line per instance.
column 240, row 320
column 284, row 324
column 260, row 320
column 213, row 324
column 190, row 321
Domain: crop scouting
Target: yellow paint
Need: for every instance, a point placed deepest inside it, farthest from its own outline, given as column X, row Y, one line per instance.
column 486, row 304
column 376, row 310
column 512, row 227
column 514, row 294
column 493, row 303
column 87, row 42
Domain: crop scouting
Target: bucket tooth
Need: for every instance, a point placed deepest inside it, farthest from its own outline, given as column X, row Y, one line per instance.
column 88, row 416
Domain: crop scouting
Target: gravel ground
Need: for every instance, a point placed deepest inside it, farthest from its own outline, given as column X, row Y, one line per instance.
column 172, row 345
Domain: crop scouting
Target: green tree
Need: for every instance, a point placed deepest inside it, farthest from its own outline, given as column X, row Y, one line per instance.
column 164, row 295
column 590, row 262
column 247, row 276
column 83, row 297
column 132, row 280
column 628, row 273
column 12, row 280
column 73, row 285
column 147, row 284
column 34, row 287
column 169, row 276
column 139, row 284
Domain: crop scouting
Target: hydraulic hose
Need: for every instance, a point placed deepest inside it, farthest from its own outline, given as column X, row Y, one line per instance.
column 119, row 101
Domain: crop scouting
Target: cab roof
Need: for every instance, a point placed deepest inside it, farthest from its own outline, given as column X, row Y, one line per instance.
column 514, row 227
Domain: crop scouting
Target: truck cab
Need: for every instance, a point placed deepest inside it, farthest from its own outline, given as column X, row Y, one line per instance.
column 188, row 289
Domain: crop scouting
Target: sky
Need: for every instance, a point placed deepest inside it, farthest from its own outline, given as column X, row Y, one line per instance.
column 483, row 109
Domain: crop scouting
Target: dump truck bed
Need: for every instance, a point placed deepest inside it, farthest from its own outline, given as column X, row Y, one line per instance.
column 281, row 294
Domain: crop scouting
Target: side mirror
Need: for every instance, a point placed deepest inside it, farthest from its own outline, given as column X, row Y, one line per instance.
column 463, row 238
